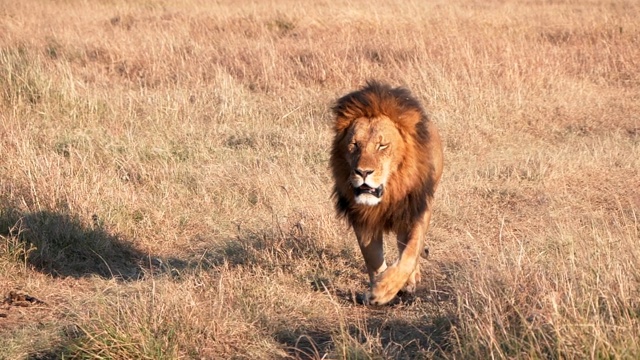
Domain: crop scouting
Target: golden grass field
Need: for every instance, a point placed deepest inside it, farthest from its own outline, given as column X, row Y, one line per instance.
column 165, row 190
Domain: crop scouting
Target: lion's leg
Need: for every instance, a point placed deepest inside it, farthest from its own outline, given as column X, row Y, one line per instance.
column 372, row 250
column 415, row 276
column 405, row 271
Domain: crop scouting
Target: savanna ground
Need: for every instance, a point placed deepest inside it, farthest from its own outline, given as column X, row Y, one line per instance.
column 165, row 192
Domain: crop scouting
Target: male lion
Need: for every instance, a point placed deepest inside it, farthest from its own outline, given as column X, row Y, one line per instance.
column 386, row 161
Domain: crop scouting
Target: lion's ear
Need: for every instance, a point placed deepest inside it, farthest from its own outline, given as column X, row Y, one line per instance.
column 408, row 119
column 341, row 124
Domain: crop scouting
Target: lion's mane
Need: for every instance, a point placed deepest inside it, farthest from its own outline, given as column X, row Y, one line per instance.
column 410, row 188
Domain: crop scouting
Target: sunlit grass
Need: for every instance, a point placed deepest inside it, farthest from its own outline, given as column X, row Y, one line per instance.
column 164, row 183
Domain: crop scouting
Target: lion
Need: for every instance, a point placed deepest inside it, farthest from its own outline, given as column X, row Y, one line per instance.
column 386, row 161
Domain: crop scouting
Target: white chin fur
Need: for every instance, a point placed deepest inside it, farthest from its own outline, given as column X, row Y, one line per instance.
column 367, row 199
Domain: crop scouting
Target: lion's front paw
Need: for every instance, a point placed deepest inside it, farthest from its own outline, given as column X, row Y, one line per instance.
column 412, row 282
column 370, row 298
column 386, row 287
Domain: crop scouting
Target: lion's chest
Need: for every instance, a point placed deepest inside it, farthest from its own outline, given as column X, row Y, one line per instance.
column 392, row 216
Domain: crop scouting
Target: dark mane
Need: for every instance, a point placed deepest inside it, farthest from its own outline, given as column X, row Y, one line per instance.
column 398, row 104
column 376, row 99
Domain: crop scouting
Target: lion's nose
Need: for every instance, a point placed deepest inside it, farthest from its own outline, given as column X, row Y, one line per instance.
column 363, row 173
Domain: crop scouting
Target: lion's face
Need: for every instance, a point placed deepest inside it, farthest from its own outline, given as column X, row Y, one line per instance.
column 372, row 152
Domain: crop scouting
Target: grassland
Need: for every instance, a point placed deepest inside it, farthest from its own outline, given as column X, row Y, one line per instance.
column 164, row 183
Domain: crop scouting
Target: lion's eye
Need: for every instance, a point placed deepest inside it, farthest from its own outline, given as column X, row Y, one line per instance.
column 382, row 146
column 353, row 146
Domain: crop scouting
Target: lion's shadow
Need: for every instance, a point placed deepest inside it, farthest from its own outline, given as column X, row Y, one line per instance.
column 403, row 337
column 61, row 245
column 398, row 338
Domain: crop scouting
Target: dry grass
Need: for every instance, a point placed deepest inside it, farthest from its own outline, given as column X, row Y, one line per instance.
column 164, row 184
